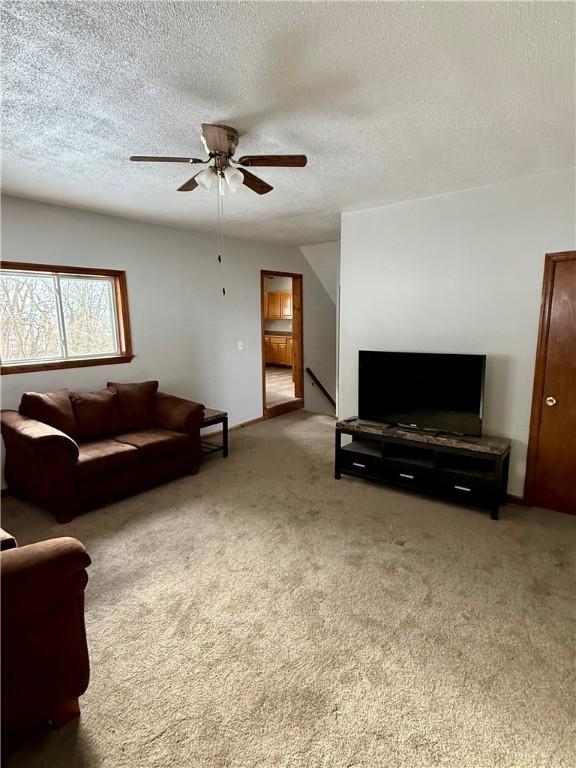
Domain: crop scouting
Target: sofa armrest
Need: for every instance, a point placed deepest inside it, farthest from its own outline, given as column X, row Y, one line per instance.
column 177, row 414
column 38, row 576
column 35, row 433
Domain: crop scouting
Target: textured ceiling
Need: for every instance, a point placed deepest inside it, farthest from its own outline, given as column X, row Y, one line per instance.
column 390, row 101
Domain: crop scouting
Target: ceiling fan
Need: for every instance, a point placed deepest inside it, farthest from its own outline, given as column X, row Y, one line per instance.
column 220, row 141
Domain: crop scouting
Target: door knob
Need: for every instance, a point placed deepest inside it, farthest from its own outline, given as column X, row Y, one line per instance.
column 550, row 401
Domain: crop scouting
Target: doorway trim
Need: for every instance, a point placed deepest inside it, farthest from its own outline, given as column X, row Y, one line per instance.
column 530, row 489
column 298, row 349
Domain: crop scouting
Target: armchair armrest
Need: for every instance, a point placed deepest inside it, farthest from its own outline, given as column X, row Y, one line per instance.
column 35, row 433
column 45, row 664
column 177, row 414
column 38, row 576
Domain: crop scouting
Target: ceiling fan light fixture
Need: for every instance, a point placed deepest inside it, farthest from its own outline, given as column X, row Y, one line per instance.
column 206, row 178
column 224, row 187
column 234, row 177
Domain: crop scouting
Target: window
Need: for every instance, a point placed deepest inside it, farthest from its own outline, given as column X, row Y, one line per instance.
column 62, row 317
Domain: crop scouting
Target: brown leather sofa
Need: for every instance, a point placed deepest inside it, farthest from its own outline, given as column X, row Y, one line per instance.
column 45, row 666
column 70, row 451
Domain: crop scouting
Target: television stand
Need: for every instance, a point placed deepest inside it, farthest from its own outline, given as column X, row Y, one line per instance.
column 411, row 430
column 470, row 470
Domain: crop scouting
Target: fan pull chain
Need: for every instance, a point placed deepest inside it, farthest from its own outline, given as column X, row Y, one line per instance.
column 221, row 233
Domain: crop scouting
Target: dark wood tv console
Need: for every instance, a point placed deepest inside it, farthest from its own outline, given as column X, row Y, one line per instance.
column 471, row 470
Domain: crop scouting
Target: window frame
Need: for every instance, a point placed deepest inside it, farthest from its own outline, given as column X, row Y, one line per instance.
column 122, row 318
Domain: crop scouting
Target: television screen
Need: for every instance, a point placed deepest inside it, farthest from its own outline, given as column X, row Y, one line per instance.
column 440, row 392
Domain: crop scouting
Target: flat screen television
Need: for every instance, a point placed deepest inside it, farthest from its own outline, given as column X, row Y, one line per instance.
column 440, row 392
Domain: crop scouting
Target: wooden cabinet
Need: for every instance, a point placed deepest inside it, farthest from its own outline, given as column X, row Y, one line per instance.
column 271, row 351
column 278, row 350
column 286, row 305
column 274, row 304
column 278, row 305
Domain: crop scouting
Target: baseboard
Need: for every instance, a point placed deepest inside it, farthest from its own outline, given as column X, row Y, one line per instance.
column 513, row 499
column 244, row 424
column 282, row 408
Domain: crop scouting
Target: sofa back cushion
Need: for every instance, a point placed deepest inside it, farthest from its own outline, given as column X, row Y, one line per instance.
column 98, row 413
column 53, row 408
column 137, row 403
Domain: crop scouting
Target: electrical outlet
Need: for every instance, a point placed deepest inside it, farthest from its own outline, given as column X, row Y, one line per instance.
column 240, row 345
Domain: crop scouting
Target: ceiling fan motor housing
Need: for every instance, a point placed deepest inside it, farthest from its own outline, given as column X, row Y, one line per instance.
column 221, row 140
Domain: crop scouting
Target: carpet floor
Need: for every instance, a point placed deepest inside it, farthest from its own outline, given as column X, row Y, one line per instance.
column 264, row 615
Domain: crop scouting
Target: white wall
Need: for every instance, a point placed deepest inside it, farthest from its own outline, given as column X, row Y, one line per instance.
column 319, row 335
column 460, row 272
column 184, row 332
column 278, row 284
column 278, row 325
column 324, row 258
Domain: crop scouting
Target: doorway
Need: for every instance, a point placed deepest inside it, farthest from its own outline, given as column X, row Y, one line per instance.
column 552, row 443
column 282, row 342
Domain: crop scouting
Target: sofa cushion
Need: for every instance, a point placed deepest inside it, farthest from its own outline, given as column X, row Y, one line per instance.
column 136, row 403
column 52, row 408
column 98, row 413
column 157, row 443
column 98, row 457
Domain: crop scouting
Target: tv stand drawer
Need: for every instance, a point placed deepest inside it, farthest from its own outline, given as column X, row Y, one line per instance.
column 408, row 474
column 359, row 462
column 459, row 486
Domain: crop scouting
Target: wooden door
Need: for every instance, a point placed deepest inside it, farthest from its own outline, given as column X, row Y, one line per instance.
column 297, row 341
column 286, row 308
column 551, row 469
column 274, row 305
column 298, row 335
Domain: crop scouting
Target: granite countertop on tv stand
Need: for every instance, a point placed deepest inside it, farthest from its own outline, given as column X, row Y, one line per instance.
column 484, row 444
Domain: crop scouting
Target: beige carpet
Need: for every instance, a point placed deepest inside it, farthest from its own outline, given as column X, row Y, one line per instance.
column 264, row 615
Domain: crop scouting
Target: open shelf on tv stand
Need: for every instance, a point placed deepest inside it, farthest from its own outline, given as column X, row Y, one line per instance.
column 470, row 470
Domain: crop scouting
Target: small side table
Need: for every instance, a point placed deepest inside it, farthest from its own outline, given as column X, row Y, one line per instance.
column 211, row 418
column 7, row 541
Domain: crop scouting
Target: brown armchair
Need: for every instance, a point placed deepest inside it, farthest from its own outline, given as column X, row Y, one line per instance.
column 72, row 451
column 45, row 666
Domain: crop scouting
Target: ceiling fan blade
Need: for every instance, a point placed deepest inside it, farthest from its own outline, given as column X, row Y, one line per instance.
column 155, row 159
column 286, row 161
column 220, row 138
column 189, row 185
column 256, row 184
